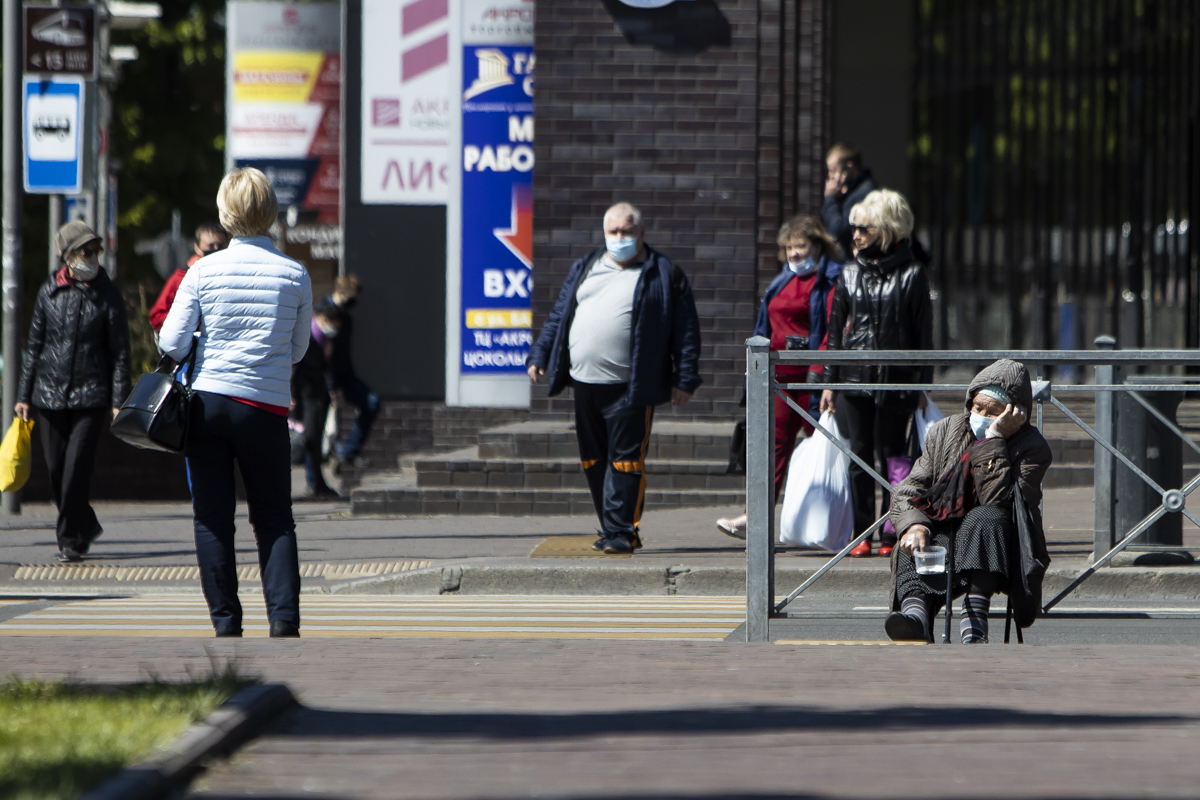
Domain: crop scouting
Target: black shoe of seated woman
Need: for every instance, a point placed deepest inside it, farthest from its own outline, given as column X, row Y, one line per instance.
column 905, row 628
column 284, row 630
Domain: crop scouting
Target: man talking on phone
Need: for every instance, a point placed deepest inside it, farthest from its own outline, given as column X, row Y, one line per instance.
column 846, row 184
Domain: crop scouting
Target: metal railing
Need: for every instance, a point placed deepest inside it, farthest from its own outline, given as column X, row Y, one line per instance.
column 762, row 388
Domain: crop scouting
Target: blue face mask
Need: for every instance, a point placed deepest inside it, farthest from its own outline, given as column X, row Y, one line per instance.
column 980, row 424
column 803, row 267
column 621, row 248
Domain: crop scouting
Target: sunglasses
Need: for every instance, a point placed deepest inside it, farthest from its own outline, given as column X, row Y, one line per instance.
column 92, row 250
column 863, row 229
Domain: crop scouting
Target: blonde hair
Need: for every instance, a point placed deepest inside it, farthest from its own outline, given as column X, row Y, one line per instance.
column 808, row 227
column 889, row 212
column 246, row 203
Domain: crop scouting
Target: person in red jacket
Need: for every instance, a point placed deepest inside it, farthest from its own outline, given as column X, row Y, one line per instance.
column 210, row 237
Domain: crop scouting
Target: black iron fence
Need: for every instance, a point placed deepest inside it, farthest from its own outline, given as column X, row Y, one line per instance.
column 1055, row 153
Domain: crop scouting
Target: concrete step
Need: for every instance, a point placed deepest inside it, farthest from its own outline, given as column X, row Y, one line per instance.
column 694, row 441
column 407, row 501
column 477, row 473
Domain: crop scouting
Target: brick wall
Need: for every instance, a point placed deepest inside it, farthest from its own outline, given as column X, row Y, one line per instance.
column 422, row 426
column 697, row 136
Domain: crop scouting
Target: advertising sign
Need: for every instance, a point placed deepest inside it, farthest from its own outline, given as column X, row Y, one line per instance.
column 497, row 208
column 60, row 40
column 284, row 99
column 405, row 102
column 53, row 135
column 489, row 219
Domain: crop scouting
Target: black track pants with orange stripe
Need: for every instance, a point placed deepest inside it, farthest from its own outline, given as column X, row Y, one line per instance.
column 612, row 450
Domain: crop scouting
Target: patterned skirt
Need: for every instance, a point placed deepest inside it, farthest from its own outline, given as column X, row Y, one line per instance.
column 982, row 540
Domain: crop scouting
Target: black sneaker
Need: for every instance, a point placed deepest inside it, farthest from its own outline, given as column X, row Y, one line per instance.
column 903, row 628
column 284, row 630
column 69, row 555
column 618, row 545
column 598, row 545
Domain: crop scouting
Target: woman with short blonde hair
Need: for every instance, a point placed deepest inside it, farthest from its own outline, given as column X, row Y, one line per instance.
column 888, row 212
column 253, row 308
column 881, row 303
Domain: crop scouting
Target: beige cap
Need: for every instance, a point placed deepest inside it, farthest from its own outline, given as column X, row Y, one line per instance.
column 72, row 236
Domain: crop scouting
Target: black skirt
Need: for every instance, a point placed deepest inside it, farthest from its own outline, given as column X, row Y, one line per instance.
column 982, row 541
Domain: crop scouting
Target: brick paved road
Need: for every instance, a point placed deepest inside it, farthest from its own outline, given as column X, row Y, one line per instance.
column 570, row 719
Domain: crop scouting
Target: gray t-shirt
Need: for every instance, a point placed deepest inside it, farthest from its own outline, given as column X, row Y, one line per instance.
column 599, row 339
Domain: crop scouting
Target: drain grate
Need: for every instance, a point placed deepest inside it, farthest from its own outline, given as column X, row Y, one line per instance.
column 58, row 572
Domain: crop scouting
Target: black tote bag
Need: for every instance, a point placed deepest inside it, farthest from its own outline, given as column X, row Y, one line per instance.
column 155, row 415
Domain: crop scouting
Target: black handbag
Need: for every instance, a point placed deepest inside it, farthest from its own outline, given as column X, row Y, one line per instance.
column 155, row 415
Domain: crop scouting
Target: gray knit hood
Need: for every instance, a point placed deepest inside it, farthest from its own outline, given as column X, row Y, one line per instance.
column 1009, row 375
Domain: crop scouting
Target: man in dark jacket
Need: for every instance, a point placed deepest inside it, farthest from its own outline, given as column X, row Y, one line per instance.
column 349, row 388
column 846, row 184
column 624, row 333
column 77, row 375
column 310, row 396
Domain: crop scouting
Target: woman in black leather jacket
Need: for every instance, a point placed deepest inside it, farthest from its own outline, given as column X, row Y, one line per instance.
column 881, row 302
column 76, row 375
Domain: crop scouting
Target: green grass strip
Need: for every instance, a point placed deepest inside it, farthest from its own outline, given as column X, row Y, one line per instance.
column 59, row 739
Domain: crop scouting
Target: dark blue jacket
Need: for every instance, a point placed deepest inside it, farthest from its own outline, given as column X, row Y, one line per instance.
column 827, row 275
column 664, row 340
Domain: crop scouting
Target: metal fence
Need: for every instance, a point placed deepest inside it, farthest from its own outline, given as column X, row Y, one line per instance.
column 1055, row 157
column 762, row 388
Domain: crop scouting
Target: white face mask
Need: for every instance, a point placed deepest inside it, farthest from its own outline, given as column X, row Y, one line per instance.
column 803, row 267
column 980, row 424
column 84, row 269
column 621, row 248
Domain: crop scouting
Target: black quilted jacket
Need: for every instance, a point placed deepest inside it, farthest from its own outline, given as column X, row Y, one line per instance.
column 78, row 351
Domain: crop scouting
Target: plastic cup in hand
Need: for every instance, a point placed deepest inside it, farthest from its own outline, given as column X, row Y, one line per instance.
column 930, row 561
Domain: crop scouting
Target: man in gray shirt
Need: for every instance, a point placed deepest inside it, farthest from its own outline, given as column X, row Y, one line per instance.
column 624, row 333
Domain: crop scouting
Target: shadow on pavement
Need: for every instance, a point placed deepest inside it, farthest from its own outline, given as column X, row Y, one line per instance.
column 776, row 719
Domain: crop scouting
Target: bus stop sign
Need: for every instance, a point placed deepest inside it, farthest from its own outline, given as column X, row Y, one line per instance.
column 53, row 135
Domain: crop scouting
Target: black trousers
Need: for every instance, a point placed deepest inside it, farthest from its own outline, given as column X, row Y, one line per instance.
column 876, row 433
column 69, row 439
column 222, row 430
column 612, row 450
column 314, row 408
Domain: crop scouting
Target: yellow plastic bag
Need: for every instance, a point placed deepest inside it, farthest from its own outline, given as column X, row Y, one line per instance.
column 16, row 455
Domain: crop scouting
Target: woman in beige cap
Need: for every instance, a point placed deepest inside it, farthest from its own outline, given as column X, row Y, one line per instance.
column 76, row 375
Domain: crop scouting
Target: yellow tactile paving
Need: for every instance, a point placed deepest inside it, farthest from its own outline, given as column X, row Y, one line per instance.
column 524, row 616
column 55, row 572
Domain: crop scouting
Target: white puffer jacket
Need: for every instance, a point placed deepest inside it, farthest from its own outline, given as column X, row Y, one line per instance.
column 253, row 306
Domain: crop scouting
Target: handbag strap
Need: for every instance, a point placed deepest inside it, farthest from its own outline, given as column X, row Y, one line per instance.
column 189, row 361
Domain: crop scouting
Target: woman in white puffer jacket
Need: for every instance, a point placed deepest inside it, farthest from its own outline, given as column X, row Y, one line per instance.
column 253, row 308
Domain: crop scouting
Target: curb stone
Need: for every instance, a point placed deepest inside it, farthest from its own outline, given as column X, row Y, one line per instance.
column 233, row 722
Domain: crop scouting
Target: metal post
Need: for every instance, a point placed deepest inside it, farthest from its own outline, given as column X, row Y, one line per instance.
column 13, row 192
column 760, row 490
column 1105, row 464
column 56, row 222
column 103, row 117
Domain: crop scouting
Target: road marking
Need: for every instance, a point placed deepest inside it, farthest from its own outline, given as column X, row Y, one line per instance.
column 521, row 616
column 55, row 572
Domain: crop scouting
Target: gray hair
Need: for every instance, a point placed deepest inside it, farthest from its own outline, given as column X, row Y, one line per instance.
column 628, row 209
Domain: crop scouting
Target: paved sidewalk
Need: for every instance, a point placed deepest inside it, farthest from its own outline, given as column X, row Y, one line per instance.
column 492, row 720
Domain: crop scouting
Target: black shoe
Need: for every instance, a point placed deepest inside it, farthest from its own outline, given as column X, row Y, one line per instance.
column 284, row 630
column 598, row 545
column 618, row 545
column 69, row 555
column 903, row 628
column 83, row 547
column 229, row 633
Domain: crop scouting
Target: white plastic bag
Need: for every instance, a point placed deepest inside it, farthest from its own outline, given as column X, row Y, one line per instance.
column 925, row 419
column 817, row 510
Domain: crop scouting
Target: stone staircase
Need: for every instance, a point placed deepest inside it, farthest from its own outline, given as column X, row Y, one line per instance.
column 532, row 469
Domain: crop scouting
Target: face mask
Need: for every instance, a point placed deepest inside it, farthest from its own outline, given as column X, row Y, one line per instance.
column 621, row 248
column 803, row 267
column 980, row 424
column 82, row 269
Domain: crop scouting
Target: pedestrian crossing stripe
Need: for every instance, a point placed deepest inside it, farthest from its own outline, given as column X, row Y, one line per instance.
column 55, row 572
column 419, row 617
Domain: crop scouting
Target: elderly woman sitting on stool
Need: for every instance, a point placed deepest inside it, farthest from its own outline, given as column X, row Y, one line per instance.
column 962, row 487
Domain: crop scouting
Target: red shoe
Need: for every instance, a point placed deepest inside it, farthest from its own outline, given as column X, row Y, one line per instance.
column 862, row 551
column 885, row 548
